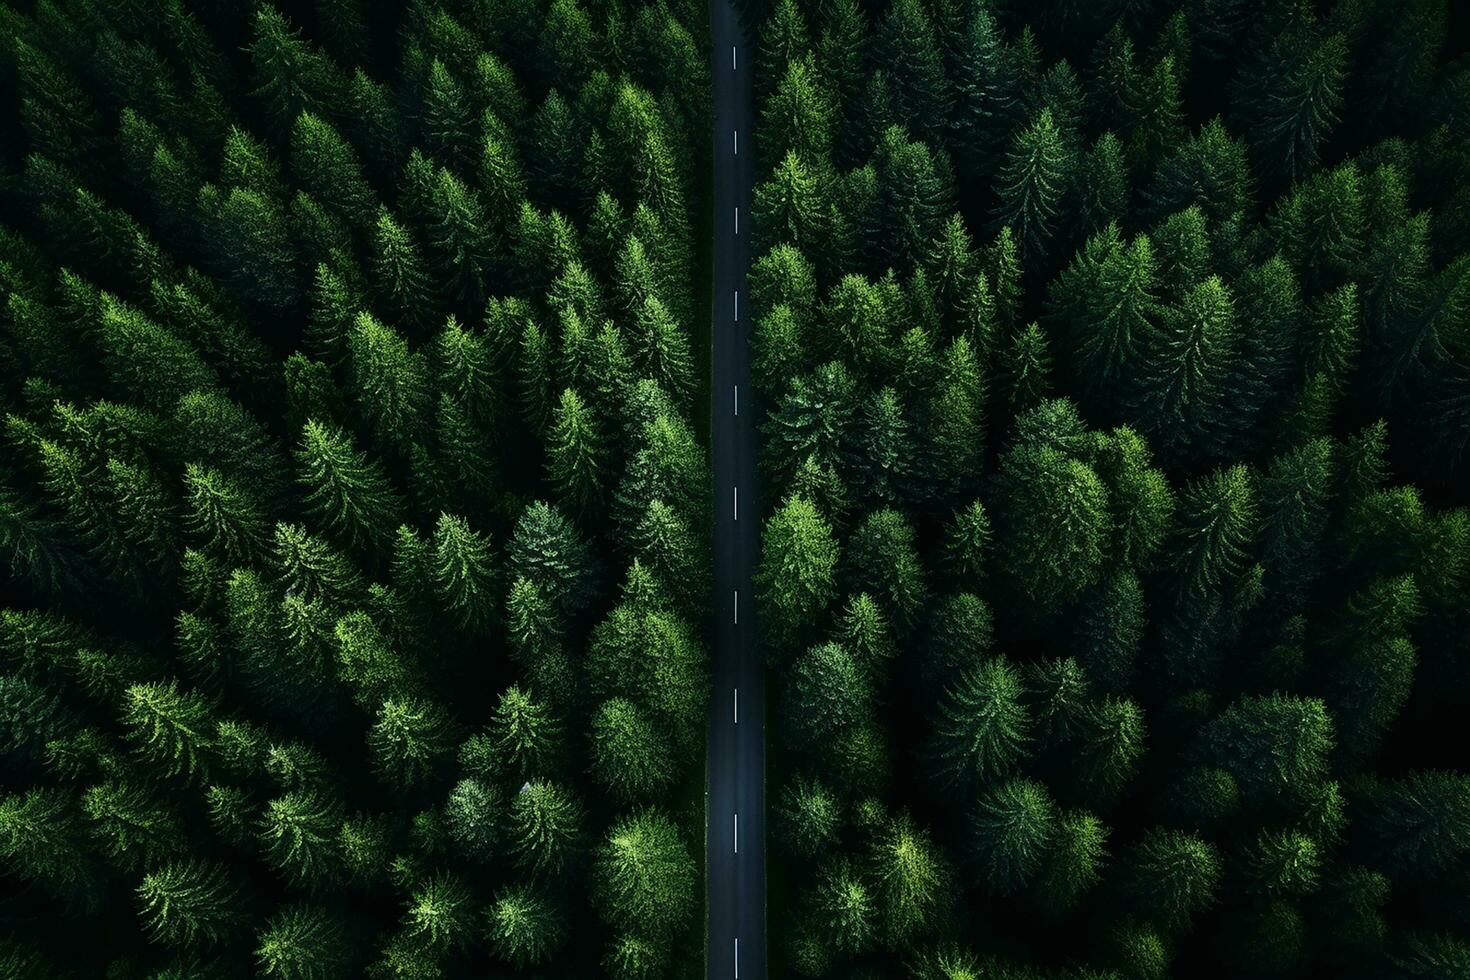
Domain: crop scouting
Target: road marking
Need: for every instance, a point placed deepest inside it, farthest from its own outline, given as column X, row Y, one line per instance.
column 737, row 705
column 737, row 306
column 732, row 57
column 737, row 502
column 737, row 141
column 737, row 399
column 737, row 958
column 737, row 221
column 737, row 833
column 737, row 607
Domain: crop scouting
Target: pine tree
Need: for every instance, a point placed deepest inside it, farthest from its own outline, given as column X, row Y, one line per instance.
column 1172, row 876
column 391, row 381
column 1418, row 826
column 1073, row 865
column 981, row 725
column 438, row 916
column 828, row 692
column 800, row 118
column 883, row 560
column 844, row 908
column 574, row 453
column 346, row 491
column 984, row 103
column 798, row 561
column 910, row 880
column 132, row 824
column 297, row 833
column 784, row 38
column 41, row 841
column 526, row 737
column 808, row 817
column 643, row 878
column 1274, row 745
column 409, row 740
column 1055, row 509
column 912, row 193
column 303, row 942
column 525, row 928
column 908, row 49
column 1112, row 742
column 327, row 168
column 460, row 237
column 400, row 275
column 1035, row 177
column 1299, row 102
column 189, row 903
column 170, row 728
column 1012, row 830
column 630, row 755
column 1184, row 365
column 545, row 827
column 547, row 549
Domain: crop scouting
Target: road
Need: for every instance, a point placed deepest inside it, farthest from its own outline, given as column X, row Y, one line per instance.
column 736, row 845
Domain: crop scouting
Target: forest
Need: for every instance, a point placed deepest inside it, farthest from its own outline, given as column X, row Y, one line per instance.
column 1115, row 561
column 353, row 489
column 1113, row 362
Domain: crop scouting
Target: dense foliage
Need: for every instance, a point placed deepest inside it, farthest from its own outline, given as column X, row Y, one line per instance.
column 353, row 516
column 1116, row 567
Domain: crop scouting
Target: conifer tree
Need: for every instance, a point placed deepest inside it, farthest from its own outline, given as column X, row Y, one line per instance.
column 189, row 903
column 981, row 725
column 41, row 841
column 1013, row 826
column 1032, row 182
column 409, row 740
column 302, row 942
column 799, row 557
column 910, row 880
column 1172, row 876
column 297, row 833
column 630, row 754
column 573, row 453
column 525, row 928
column 643, row 876
column 545, row 827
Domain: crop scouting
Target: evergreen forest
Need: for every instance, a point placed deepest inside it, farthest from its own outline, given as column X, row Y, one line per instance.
column 1115, row 561
column 1112, row 370
column 354, row 499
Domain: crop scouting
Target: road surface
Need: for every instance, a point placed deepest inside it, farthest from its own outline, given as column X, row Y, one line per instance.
column 736, row 845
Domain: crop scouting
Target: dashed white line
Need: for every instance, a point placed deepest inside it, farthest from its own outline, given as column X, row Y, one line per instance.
column 737, row 141
column 737, row 607
column 737, row 306
column 736, row 508
column 737, row 705
column 737, row 958
column 737, row 221
column 737, row 399
column 737, row 833
column 732, row 57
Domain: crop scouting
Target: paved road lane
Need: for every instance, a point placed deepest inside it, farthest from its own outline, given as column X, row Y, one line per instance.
column 737, row 829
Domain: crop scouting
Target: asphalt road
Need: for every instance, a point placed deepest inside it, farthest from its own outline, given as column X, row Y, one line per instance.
column 736, row 845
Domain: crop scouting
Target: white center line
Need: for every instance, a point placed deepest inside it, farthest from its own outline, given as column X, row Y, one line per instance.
column 732, row 57
column 737, row 607
column 737, row 502
column 737, row 399
column 737, row 705
column 737, row 141
column 737, row 306
column 737, row 220
column 737, row 958
column 737, row 833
